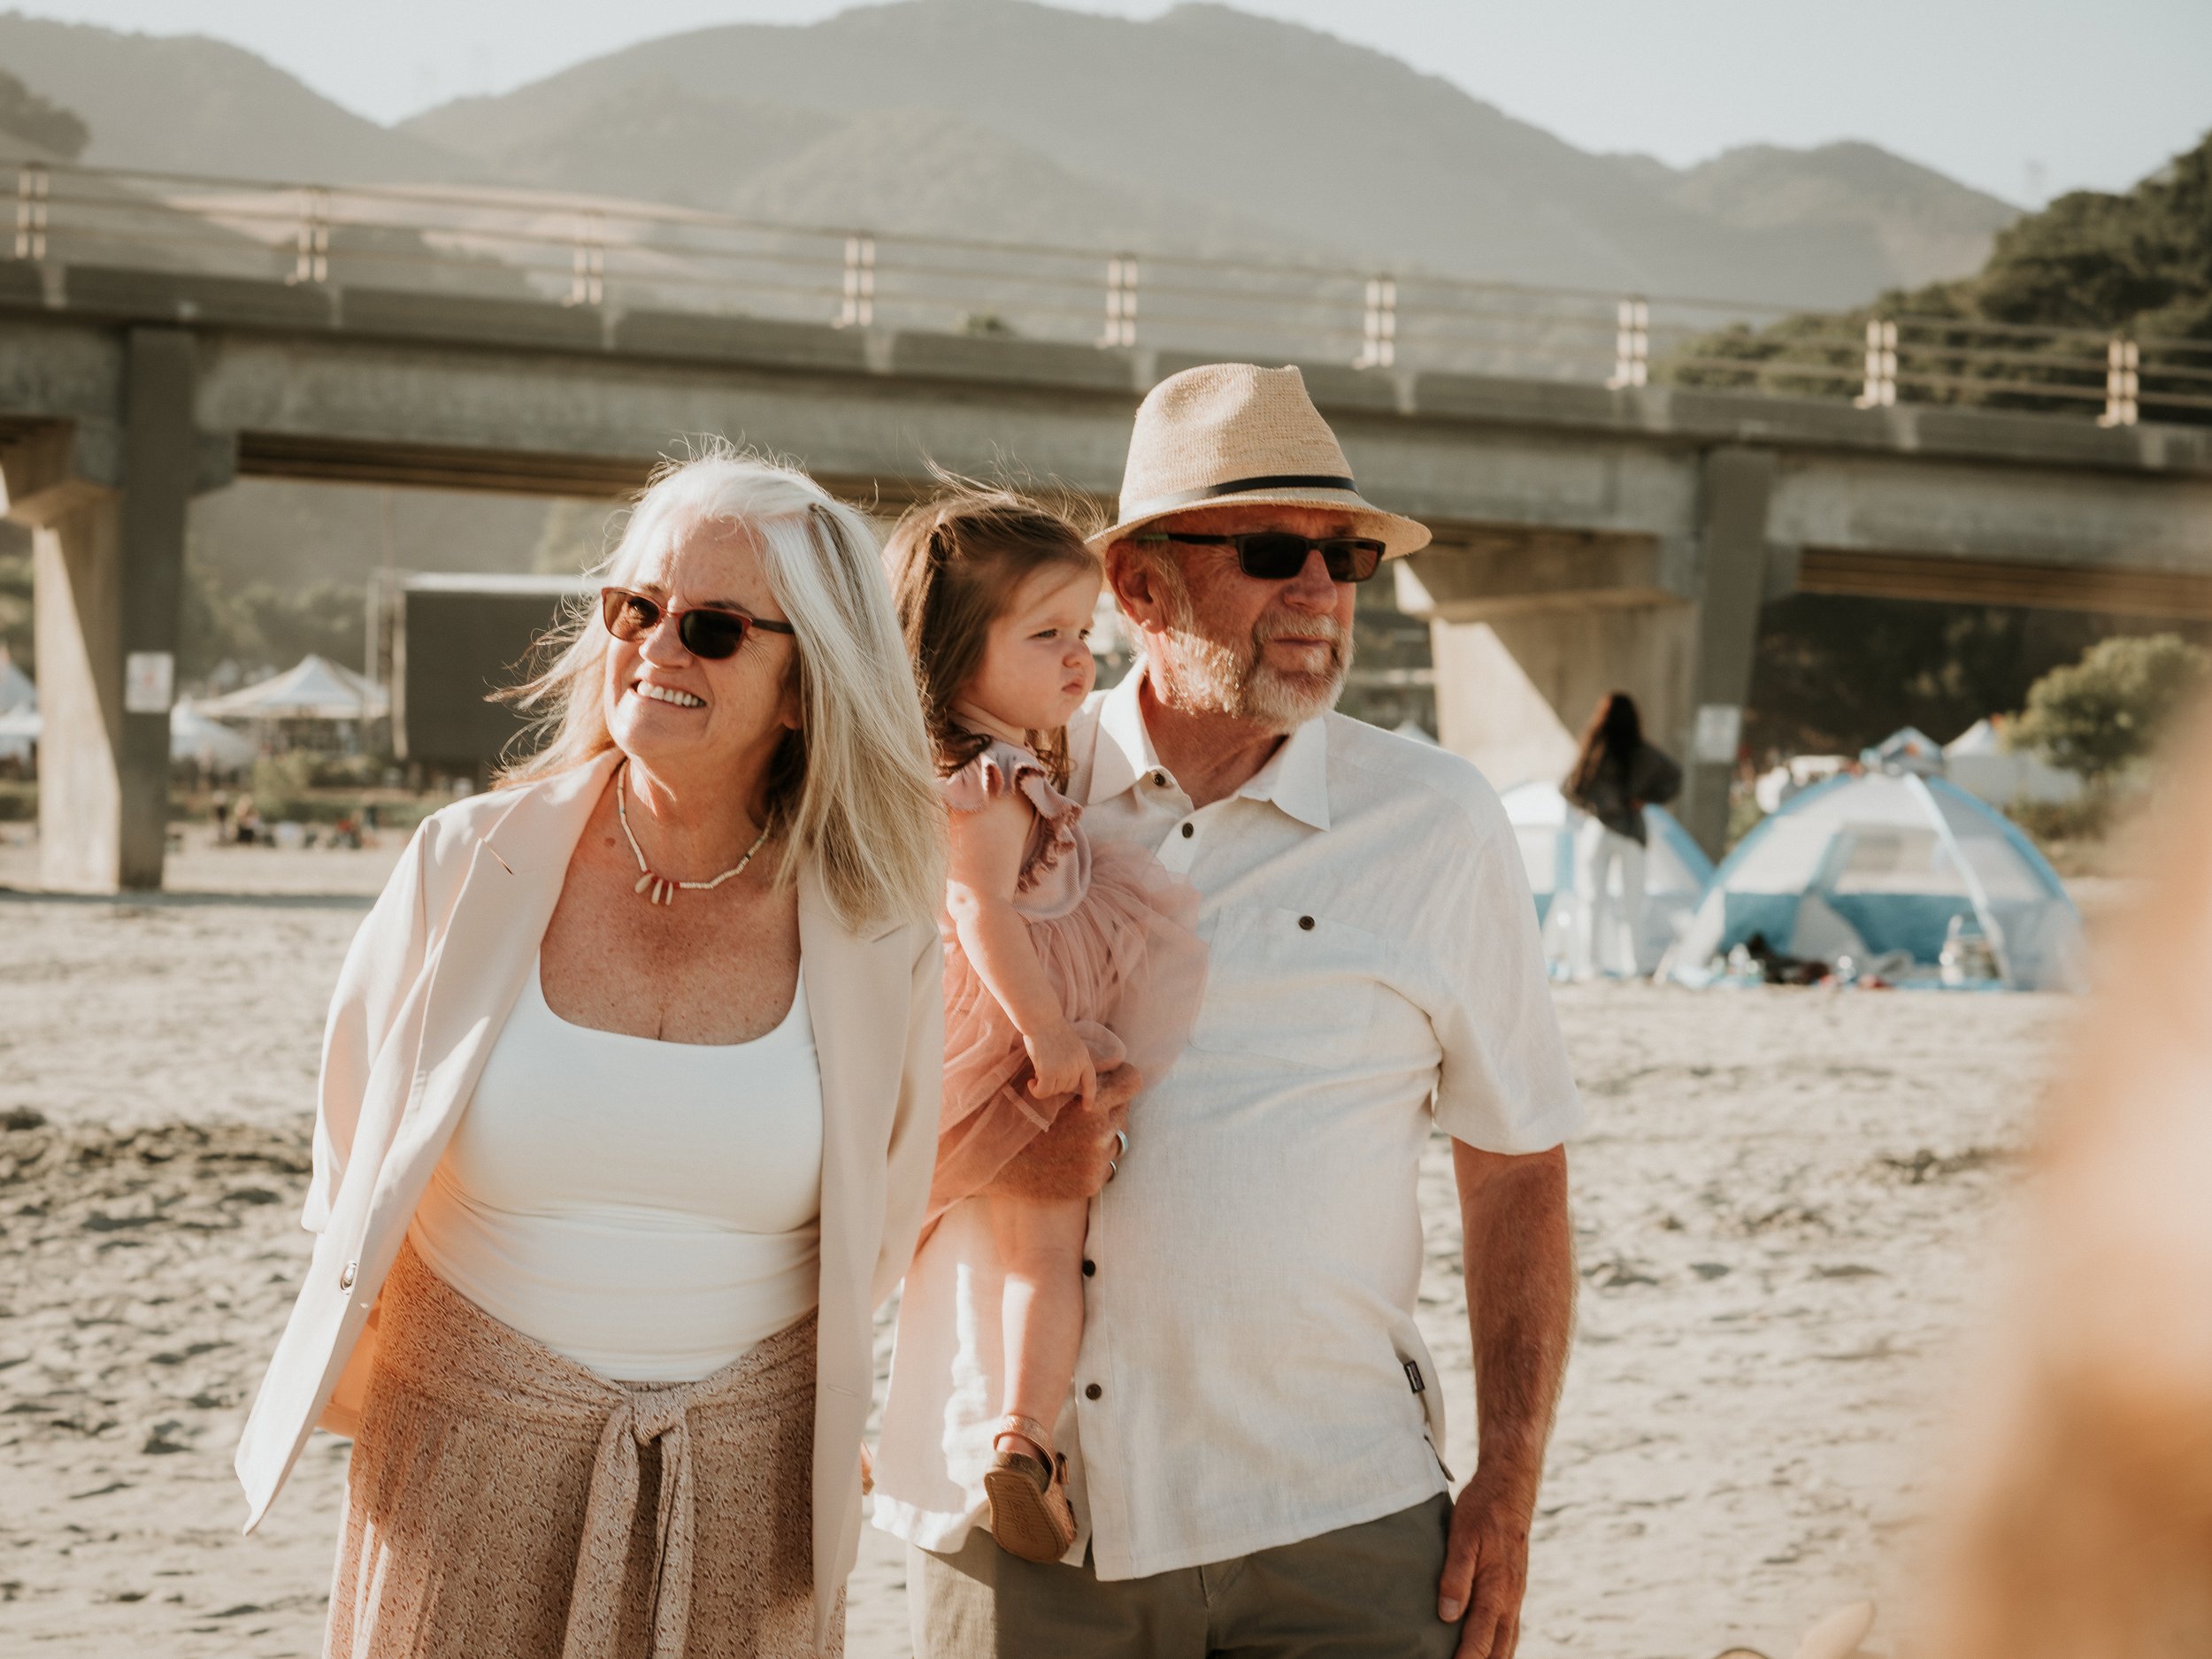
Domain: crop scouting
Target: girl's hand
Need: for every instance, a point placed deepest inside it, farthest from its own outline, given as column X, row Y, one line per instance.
column 1062, row 1064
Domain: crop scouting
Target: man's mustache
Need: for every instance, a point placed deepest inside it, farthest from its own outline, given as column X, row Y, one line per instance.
column 1327, row 628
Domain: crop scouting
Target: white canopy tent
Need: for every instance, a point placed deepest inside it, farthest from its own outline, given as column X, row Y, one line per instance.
column 1866, row 866
column 315, row 689
column 1676, row 870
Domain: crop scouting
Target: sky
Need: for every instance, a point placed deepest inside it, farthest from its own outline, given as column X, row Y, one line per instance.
column 2023, row 98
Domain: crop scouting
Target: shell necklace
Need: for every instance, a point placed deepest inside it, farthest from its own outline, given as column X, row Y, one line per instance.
column 660, row 889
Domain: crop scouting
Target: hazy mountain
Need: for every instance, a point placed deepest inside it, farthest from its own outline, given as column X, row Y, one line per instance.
column 1926, row 226
column 26, row 116
column 184, row 102
column 923, row 171
column 1294, row 129
column 690, row 148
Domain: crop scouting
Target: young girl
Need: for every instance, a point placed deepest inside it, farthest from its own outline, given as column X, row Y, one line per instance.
column 1063, row 959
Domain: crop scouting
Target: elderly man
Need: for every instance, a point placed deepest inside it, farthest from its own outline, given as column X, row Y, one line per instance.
column 1256, row 1432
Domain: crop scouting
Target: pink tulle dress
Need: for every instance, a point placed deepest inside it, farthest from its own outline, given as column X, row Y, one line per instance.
column 1114, row 933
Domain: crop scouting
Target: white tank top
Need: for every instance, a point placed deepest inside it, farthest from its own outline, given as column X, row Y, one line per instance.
column 648, row 1208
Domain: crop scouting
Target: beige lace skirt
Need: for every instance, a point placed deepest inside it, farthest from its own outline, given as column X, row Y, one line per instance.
column 505, row 1501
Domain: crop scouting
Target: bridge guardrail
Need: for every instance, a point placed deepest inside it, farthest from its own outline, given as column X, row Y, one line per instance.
column 607, row 253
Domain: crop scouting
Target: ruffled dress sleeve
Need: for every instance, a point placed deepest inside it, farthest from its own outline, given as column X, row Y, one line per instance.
column 1004, row 767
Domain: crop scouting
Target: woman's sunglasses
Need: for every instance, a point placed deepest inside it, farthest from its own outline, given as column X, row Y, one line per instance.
column 1276, row 555
column 708, row 633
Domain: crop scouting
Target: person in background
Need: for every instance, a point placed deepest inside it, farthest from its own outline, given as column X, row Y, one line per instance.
column 628, row 1111
column 1616, row 776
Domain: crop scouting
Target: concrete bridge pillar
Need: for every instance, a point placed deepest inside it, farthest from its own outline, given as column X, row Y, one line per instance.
column 107, row 508
column 1530, row 627
column 1737, row 490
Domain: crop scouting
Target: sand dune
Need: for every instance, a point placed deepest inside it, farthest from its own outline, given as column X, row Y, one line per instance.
column 1785, row 1208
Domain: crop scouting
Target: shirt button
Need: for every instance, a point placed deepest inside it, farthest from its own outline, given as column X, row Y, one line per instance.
column 1090, row 1269
column 1306, row 922
column 1189, row 830
column 1094, row 1392
column 346, row 1279
column 1159, row 779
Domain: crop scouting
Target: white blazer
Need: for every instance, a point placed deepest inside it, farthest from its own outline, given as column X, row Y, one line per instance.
column 425, row 991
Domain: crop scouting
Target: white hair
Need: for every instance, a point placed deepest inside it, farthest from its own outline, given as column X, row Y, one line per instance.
column 853, row 789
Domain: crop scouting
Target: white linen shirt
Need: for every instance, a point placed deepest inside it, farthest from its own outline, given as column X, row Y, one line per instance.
column 1250, row 1373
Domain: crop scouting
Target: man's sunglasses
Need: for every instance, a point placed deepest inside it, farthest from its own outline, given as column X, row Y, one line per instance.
column 713, row 634
column 1276, row 555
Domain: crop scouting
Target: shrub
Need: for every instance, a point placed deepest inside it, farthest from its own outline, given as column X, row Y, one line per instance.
column 2103, row 714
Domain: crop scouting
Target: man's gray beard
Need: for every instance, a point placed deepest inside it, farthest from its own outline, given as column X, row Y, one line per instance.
column 1206, row 676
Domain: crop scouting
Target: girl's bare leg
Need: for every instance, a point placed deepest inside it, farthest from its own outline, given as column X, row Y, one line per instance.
column 1041, row 1246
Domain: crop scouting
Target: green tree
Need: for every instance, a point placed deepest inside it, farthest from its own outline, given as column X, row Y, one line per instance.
column 49, row 126
column 262, row 628
column 2102, row 714
column 1838, row 671
column 2138, row 263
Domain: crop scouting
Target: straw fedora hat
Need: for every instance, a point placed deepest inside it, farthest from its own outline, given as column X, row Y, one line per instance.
column 1230, row 434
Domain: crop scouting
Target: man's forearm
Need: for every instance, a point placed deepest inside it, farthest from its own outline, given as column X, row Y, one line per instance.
column 1520, row 1304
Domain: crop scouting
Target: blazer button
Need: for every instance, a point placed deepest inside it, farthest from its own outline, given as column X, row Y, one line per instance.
column 1189, row 830
column 1306, row 922
column 1094, row 1392
column 346, row 1279
column 1090, row 1269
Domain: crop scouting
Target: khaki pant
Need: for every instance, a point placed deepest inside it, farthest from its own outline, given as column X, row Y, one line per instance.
column 1364, row 1591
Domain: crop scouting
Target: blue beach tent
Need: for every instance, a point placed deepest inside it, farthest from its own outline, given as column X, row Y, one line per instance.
column 1867, row 865
column 1676, row 870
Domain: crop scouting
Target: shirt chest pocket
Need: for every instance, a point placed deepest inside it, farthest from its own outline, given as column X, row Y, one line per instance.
column 1288, row 985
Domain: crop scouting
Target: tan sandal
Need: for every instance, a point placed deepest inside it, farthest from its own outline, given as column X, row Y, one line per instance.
column 1030, row 1514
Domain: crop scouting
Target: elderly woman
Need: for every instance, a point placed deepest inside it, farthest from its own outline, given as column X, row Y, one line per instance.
column 628, row 1109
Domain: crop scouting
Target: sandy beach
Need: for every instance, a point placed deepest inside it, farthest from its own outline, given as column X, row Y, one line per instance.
column 1787, row 1205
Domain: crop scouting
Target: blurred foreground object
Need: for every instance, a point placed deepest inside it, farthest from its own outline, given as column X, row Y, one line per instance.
column 2082, row 1527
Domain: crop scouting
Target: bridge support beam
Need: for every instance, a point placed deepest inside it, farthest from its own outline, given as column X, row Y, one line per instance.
column 107, row 514
column 1525, row 646
column 1737, row 489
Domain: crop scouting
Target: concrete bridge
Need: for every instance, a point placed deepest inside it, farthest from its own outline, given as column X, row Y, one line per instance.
column 1586, row 538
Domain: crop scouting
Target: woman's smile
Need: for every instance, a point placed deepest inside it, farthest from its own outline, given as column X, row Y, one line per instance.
column 667, row 694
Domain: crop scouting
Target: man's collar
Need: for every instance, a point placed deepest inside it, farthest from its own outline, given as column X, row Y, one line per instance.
column 1125, row 751
column 1295, row 778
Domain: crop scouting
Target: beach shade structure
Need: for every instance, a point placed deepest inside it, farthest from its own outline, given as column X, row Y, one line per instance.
column 193, row 737
column 1979, row 763
column 1676, row 870
column 17, row 690
column 1887, row 863
column 18, row 734
column 315, row 689
column 1907, row 748
column 210, row 744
